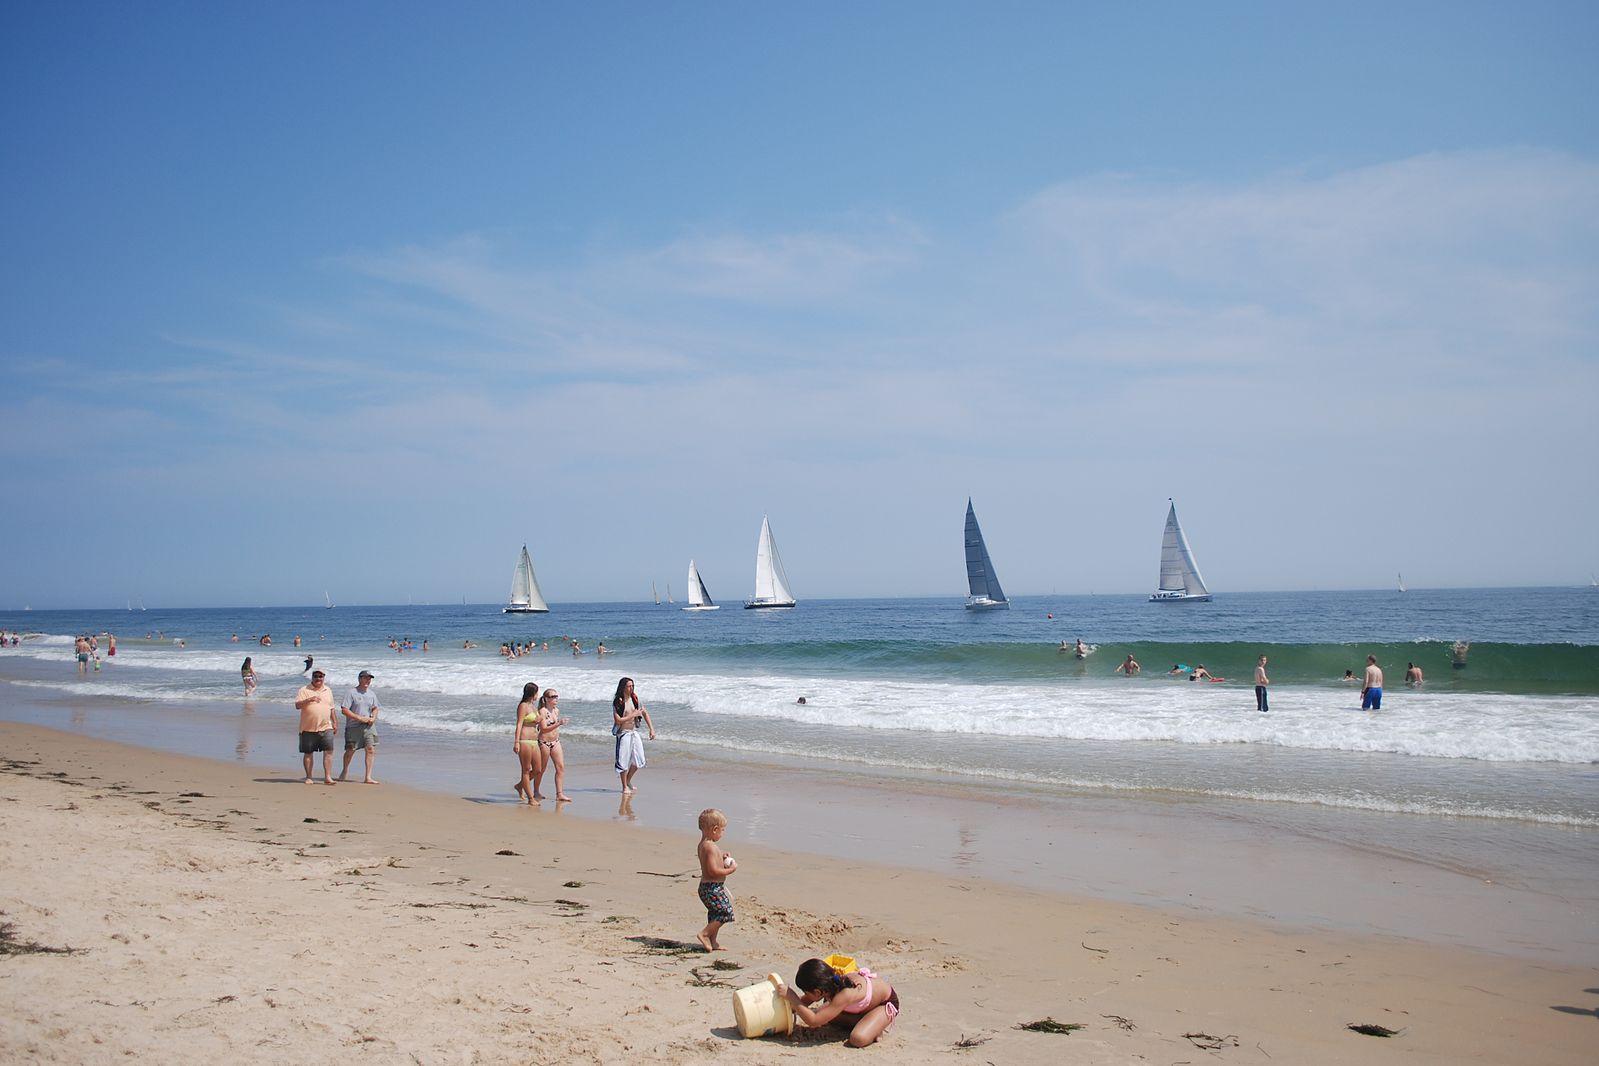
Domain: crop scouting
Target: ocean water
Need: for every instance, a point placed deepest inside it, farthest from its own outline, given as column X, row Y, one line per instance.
column 923, row 687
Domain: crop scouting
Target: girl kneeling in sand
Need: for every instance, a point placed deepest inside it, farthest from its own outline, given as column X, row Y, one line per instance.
column 863, row 1001
column 529, row 753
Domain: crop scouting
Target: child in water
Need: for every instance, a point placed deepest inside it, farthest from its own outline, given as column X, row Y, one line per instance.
column 716, row 866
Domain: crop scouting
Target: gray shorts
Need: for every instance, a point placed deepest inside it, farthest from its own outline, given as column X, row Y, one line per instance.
column 310, row 742
column 360, row 735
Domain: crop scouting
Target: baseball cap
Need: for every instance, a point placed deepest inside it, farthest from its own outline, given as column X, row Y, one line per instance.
column 365, row 673
column 319, row 672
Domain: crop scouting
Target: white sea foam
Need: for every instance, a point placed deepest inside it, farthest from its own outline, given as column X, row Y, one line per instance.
column 467, row 688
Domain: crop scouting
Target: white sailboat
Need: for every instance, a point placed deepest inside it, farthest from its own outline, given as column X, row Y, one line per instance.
column 525, row 595
column 698, row 598
column 981, row 581
column 1179, row 574
column 1402, row 583
column 655, row 593
column 771, row 581
column 328, row 599
column 669, row 593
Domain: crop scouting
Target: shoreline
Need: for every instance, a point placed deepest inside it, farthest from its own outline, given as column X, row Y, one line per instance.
column 248, row 886
column 1299, row 869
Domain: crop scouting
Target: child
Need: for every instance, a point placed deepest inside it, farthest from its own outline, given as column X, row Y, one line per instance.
column 715, row 866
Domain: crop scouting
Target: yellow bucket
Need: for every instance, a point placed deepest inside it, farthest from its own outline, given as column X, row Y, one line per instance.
column 841, row 963
column 759, row 1009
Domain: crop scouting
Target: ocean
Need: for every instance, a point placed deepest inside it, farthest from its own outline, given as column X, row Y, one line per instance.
column 923, row 688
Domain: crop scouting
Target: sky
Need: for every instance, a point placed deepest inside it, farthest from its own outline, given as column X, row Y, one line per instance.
column 362, row 297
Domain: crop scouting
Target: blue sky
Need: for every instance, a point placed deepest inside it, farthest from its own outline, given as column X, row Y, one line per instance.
column 363, row 296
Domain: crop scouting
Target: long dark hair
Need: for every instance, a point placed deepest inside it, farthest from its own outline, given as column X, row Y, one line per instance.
column 816, row 976
column 246, row 665
column 530, row 692
column 621, row 695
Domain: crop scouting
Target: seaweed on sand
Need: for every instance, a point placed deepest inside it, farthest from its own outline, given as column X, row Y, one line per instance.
column 1367, row 1029
column 1049, row 1025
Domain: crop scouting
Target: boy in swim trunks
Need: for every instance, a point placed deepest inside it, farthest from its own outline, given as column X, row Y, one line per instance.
column 716, row 866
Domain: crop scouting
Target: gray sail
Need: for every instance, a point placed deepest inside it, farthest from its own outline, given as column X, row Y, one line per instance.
column 981, row 580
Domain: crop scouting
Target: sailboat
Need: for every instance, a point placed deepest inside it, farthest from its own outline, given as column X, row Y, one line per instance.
column 699, row 598
column 656, row 594
column 525, row 595
column 328, row 599
column 771, row 581
column 986, row 595
column 1401, row 582
column 1179, row 574
column 669, row 593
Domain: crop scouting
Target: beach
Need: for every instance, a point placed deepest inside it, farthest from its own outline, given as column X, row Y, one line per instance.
column 216, row 909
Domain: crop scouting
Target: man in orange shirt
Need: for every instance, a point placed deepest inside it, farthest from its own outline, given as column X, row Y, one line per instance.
column 316, row 707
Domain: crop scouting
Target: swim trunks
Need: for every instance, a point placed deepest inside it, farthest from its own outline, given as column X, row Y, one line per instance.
column 629, row 751
column 1372, row 700
column 360, row 735
column 718, row 904
column 310, row 742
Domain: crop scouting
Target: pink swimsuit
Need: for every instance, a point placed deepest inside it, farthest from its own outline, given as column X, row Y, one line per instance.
column 866, row 997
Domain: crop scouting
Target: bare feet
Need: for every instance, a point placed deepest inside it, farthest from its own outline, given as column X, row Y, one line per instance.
column 562, row 797
column 308, row 780
column 329, row 781
column 518, row 788
column 537, row 796
column 705, row 941
column 341, row 777
column 368, row 781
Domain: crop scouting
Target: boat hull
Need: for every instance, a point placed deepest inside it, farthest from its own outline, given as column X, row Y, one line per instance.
column 1178, row 597
column 987, row 605
column 756, row 606
column 705, row 607
column 525, row 610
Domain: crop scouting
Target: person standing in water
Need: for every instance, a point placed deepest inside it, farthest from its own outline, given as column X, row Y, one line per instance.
column 1130, row 667
column 1261, row 681
column 361, row 728
column 1413, row 676
column 1457, row 654
column 1371, row 690
column 247, row 675
column 626, row 710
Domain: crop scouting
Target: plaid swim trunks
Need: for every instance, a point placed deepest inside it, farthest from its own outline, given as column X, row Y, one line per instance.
column 718, row 904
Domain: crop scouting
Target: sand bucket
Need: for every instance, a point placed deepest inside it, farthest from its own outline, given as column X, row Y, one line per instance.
column 760, row 1009
column 841, row 963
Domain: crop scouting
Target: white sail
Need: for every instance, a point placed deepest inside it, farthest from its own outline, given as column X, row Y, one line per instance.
column 1401, row 582
column 699, row 598
column 669, row 593
column 525, row 595
column 771, row 580
column 327, row 599
column 656, row 594
column 1179, row 574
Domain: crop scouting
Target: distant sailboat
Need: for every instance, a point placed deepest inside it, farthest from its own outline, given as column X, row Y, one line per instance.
column 1179, row 574
column 771, row 581
column 327, row 599
column 983, row 583
column 525, row 595
column 698, row 598
column 669, row 593
column 1401, row 582
column 656, row 594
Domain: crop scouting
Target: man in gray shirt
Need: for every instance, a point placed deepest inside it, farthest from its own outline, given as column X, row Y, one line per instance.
column 361, row 727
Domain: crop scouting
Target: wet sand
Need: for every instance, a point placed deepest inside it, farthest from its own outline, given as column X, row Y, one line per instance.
column 219, row 910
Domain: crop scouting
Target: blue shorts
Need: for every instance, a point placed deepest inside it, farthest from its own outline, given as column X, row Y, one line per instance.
column 1372, row 701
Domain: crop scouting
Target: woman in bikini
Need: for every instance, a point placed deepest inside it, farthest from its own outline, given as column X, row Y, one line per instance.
column 550, row 723
column 529, row 755
column 863, row 1001
column 247, row 673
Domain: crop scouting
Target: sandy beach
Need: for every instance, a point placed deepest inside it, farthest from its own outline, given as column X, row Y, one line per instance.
column 215, row 910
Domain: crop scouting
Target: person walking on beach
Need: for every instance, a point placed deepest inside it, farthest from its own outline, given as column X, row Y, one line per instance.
column 361, row 729
column 1261, row 681
column 716, row 866
column 317, row 727
column 1371, row 687
column 1130, row 667
column 247, row 675
column 526, row 744
column 550, row 723
column 626, row 710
